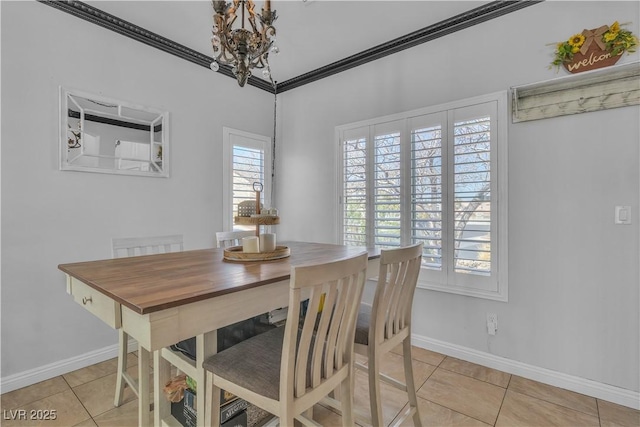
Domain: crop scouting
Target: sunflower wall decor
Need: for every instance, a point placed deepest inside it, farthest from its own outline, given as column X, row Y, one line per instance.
column 596, row 48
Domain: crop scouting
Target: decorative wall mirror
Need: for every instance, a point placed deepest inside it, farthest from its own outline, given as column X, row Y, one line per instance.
column 99, row 134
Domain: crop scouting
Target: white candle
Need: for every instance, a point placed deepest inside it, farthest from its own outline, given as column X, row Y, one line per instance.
column 267, row 242
column 250, row 244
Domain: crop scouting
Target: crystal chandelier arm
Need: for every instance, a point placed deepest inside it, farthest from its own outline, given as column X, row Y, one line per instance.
column 227, row 54
column 231, row 14
column 230, row 17
column 219, row 41
column 252, row 15
column 268, row 31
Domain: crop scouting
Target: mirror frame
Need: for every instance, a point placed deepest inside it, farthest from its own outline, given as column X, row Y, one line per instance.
column 64, row 163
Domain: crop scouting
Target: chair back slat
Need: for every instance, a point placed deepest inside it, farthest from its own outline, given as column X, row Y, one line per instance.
column 398, row 308
column 226, row 239
column 394, row 289
column 137, row 246
column 304, row 341
column 412, row 270
column 336, row 311
column 344, row 337
column 321, row 345
column 328, row 328
column 397, row 280
column 318, row 365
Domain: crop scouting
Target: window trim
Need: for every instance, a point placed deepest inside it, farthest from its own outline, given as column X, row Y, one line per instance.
column 261, row 142
column 501, row 128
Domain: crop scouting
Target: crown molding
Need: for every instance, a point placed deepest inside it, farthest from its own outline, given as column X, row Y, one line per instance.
column 459, row 22
column 125, row 28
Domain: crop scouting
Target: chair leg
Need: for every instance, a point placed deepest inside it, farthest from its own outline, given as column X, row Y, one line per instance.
column 286, row 414
column 309, row 413
column 374, row 388
column 123, row 350
column 346, row 399
column 411, row 387
column 212, row 396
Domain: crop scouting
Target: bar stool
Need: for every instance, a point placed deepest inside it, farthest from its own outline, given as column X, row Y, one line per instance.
column 128, row 247
column 387, row 323
column 287, row 370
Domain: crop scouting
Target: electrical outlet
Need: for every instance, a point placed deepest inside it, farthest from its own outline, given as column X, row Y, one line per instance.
column 492, row 323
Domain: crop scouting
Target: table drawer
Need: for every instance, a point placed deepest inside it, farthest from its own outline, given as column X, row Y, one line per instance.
column 95, row 302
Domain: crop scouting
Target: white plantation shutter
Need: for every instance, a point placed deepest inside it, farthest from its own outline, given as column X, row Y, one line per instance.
column 354, row 191
column 472, row 196
column 387, row 186
column 247, row 159
column 473, row 154
column 428, row 167
column 248, row 167
column 432, row 176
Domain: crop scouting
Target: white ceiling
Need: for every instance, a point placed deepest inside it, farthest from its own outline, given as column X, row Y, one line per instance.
column 310, row 34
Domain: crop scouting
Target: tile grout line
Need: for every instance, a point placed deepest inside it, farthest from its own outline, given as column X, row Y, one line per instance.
column 452, row 409
column 92, row 417
column 79, row 401
column 524, row 393
column 37, row 400
column 478, row 379
column 504, row 396
column 483, row 367
column 559, row 405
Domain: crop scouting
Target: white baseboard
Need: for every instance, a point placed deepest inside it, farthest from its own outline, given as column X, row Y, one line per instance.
column 42, row 373
column 584, row 386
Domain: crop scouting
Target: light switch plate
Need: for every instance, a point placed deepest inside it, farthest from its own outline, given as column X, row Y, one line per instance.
column 623, row 215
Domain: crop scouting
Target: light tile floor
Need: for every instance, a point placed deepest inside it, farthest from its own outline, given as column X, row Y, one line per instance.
column 451, row 392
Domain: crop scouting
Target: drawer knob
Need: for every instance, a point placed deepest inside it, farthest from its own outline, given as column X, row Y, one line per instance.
column 86, row 300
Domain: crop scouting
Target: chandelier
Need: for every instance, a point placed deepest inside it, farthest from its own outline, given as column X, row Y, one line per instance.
column 241, row 48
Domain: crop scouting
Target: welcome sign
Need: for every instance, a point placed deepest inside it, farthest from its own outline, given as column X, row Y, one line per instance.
column 592, row 54
column 596, row 48
column 594, row 57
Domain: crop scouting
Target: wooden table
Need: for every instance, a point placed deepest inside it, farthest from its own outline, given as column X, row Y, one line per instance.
column 162, row 299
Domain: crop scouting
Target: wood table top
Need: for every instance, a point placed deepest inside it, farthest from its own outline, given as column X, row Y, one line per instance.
column 152, row 283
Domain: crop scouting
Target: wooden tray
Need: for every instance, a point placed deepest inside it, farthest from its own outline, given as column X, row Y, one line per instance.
column 235, row 253
column 256, row 220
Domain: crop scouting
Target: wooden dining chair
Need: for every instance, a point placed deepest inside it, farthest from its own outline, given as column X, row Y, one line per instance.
column 386, row 323
column 226, row 239
column 289, row 369
column 128, row 247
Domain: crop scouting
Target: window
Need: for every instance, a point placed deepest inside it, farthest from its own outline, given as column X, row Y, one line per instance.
column 438, row 176
column 247, row 159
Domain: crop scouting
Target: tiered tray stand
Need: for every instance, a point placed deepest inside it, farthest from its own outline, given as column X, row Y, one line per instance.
column 235, row 253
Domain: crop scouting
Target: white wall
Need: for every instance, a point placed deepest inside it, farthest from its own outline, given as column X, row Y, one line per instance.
column 51, row 217
column 573, row 275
